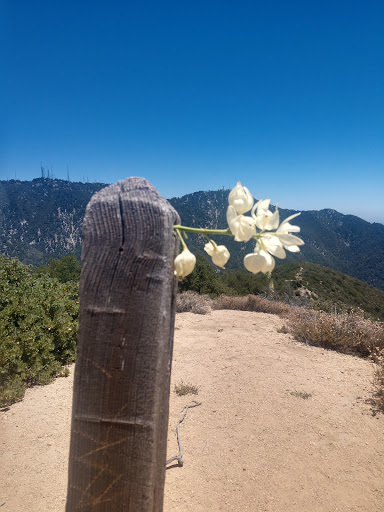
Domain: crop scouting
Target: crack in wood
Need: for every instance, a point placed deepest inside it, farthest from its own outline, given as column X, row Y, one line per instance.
column 136, row 422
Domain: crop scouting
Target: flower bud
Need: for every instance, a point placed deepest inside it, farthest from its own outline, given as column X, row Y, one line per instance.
column 219, row 253
column 184, row 263
column 240, row 198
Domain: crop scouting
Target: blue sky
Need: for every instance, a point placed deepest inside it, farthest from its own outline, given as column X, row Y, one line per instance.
column 286, row 97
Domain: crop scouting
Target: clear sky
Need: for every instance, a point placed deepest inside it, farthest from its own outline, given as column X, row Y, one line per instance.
column 285, row 96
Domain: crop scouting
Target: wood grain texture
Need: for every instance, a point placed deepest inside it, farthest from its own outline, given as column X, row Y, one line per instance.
column 121, row 391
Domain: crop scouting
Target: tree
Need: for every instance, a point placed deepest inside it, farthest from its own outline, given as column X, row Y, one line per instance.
column 65, row 269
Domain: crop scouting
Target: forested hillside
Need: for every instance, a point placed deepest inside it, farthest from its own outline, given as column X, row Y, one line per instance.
column 42, row 218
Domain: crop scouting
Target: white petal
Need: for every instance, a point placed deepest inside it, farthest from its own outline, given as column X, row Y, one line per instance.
column 234, row 192
column 255, row 206
column 273, row 220
column 292, row 248
column 184, row 263
column 243, row 228
column 247, row 229
column 291, row 217
column 209, row 248
column 287, row 239
column 231, row 215
column 277, row 251
column 262, row 219
column 260, row 262
column 249, row 196
column 240, row 198
column 263, row 204
column 254, row 263
column 273, row 245
column 286, row 227
column 220, row 256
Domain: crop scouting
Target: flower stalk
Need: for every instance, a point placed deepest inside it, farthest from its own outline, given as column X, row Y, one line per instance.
column 203, row 231
column 272, row 240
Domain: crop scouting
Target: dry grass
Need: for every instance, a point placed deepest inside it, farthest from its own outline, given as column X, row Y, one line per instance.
column 251, row 303
column 186, row 389
column 192, row 302
column 379, row 382
column 301, row 394
column 348, row 333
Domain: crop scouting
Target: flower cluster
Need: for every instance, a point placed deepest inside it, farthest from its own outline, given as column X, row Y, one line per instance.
column 272, row 238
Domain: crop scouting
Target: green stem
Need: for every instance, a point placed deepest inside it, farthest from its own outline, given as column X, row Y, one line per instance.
column 203, row 231
column 211, row 241
column 181, row 238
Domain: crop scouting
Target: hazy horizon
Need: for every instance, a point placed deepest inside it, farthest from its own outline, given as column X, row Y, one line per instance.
column 281, row 206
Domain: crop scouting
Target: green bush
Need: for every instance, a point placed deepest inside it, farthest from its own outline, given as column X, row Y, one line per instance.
column 203, row 280
column 38, row 328
column 67, row 268
column 214, row 282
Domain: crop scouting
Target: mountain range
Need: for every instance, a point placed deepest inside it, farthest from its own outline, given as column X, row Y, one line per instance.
column 42, row 218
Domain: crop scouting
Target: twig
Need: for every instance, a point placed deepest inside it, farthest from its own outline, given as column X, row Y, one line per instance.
column 179, row 457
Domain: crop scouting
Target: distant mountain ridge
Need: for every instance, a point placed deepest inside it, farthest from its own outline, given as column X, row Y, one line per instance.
column 342, row 242
column 43, row 218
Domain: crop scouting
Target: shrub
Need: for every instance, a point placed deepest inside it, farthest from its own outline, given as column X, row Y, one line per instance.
column 39, row 325
column 215, row 282
column 192, row 302
column 348, row 333
column 379, row 381
column 203, row 280
column 250, row 303
column 67, row 268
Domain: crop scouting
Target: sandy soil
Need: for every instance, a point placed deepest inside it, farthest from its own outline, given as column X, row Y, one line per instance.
column 282, row 427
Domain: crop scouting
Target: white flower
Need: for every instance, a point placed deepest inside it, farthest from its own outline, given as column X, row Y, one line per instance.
column 219, row 253
column 290, row 242
column 243, row 228
column 275, row 243
column 184, row 263
column 260, row 261
column 264, row 218
column 240, row 198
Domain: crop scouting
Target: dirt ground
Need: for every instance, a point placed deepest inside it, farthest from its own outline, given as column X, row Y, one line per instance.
column 282, row 427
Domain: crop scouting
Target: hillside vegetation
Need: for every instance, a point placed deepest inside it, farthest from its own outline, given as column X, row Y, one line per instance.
column 42, row 218
column 327, row 289
column 298, row 283
column 39, row 313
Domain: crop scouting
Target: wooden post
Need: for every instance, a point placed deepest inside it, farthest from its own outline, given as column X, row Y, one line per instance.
column 121, row 391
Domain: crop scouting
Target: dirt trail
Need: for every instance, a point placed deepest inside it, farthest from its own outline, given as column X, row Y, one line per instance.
column 282, row 427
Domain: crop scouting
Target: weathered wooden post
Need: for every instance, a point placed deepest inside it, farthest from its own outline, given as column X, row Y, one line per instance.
column 121, row 390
